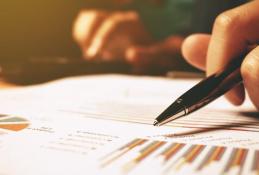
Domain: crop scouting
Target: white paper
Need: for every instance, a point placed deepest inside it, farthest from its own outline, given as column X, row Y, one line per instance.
column 72, row 120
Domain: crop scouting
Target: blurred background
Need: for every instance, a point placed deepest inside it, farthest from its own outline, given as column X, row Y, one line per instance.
column 43, row 28
column 33, row 28
column 39, row 29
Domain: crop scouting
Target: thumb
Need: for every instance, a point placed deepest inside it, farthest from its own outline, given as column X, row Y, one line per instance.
column 160, row 53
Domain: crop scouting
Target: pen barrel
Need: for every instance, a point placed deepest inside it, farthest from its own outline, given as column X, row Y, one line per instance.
column 213, row 87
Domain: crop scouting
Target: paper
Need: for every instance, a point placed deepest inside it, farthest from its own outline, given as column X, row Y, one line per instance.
column 71, row 121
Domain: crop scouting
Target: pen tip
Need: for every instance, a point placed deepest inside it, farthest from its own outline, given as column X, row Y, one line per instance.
column 156, row 123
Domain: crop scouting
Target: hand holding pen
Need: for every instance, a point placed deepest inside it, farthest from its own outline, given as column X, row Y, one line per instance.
column 234, row 32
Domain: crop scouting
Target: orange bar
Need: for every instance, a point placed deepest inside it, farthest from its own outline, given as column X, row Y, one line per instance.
column 149, row 150
column 126, row 148
column 220, row 153
column 14, row 127
column 194, row 153
column 128, row 144
column 169, row 153
column 213, row 155
column 242, row 157
column 255, row 166
column 138, row 142
column 231, row 159
column 237, row 157
column 217, row 154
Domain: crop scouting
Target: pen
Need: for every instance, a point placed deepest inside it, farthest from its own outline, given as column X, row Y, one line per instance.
column 203, row 93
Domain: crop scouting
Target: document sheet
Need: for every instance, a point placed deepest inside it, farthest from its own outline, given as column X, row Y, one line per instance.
column 103, row 125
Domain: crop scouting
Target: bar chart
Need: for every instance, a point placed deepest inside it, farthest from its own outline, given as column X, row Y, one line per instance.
column 142, row 155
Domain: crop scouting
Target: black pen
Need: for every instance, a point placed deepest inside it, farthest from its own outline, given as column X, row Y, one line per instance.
column 203, row 93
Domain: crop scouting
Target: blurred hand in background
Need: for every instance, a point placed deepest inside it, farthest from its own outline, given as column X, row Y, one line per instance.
column 121, row 36
column 106, row 35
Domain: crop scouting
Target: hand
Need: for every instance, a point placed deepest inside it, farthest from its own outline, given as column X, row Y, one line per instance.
column 233, row 33
column 121, row 35
column 156, row 58
column 107, row 35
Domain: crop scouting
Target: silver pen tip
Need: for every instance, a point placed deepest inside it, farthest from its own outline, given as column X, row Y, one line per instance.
column 156, row 123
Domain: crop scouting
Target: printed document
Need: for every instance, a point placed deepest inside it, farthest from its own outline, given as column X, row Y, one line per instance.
column 102, row 124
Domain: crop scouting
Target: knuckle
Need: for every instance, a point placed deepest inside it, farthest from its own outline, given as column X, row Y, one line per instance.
column 227, row 21
column 82, row 23
column 124, row 16
column 110, row 23
column 115, row 21
column 84, row 13
column 245, row 70
column 83, row 17
column 131, row 15
column 81, row 13
column 117, row 17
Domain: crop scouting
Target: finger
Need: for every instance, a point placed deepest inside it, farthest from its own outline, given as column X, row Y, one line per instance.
column 139, row 56
column 109, row 28
column 236, row 95
column 114, row 49
column 194, row 50
column 156, row 58
column 148, row 59
column 86, row 25
column 146, row 55
column 250, row 74
column 233, row 31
